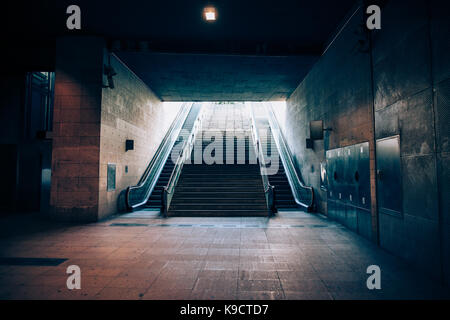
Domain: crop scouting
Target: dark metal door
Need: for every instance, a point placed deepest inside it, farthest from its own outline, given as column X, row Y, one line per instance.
column 389, row 176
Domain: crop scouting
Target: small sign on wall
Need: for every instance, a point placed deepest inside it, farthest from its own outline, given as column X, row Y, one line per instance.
column 111, row 177
column 129, row 145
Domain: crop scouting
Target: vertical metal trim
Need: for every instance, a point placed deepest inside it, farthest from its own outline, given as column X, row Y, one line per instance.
column 375, row 194
column 436, row 164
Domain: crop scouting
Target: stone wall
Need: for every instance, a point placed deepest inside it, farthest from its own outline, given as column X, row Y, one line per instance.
column 91, row 125
column 411, row 80
column 411, row 99
column 76, row 129
column 129, row 111
column 338, row 91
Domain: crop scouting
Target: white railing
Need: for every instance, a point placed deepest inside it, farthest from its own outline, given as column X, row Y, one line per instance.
column 185, row 154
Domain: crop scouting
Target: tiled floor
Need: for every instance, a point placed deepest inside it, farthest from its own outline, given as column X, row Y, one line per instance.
column 140, row 256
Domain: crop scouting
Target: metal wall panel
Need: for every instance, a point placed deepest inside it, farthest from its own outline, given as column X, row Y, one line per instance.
column 348, row 174
column 341, row 215
column 351, row 194
column 351, row 218
column 364, row 223
column 339, row 174
column 331, row 169
column 345, row 159
column 331, row 208
column 363, row 176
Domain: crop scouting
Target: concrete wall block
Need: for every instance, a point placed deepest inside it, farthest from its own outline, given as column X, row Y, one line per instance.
column 69, row 115
column 351, row 218
column 392, row 234
column 442, row 107
column 412, row 119
column 76, row 152
column 405, row 71
column 68, row 102
column 387, row 121
column 74, row 214
column 420, row 190
column 440, row 29
column 66, row 129
column 400, row 20
column 422, row 245
column 446, row 254
column 364, row 223
column 67, row 88
column 64, row 154
column 89, row 130
column 416, row 124
column 67, row 170
column 61, row 142
column 444, row 186
column 89, row 154
column 68, row 184
column 129, row 111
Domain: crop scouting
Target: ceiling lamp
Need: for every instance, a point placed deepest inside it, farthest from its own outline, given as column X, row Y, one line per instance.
column 210, row 14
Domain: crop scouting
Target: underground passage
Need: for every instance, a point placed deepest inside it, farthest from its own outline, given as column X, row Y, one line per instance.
column 225, row 150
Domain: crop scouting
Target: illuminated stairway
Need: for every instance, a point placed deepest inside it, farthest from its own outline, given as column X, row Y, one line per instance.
column 221, row 190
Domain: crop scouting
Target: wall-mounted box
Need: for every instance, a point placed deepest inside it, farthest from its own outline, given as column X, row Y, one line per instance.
column 129, row 145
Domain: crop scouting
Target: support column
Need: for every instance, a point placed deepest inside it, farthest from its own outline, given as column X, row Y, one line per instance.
column 76, row 125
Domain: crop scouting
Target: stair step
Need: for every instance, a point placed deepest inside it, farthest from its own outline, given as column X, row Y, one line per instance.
column 222, row 200
column 181, row 188
column 224, row 195
column 218, row 205
column 218, row 182
column 217, row 213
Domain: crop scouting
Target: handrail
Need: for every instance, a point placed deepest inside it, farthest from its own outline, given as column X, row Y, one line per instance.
column 303, row 195
column 138, row 195
column 269, row 190
column 185, row 154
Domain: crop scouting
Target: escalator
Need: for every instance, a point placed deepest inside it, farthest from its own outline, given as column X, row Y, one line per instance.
column 148, row 192
column 285, row 189
column 155, row 199
column 181, row 185
column 284, row 198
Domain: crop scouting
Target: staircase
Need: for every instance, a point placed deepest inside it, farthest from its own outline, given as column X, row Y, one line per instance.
column 220, row 190
column 155, row 199
column 284, row 198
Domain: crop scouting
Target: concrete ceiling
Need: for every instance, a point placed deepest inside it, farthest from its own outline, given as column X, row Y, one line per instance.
column 202, row 77
column 256, row 50
column 268, row 27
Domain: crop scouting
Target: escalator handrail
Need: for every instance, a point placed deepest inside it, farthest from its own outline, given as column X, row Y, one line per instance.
column 158, row 161
column 186, row 150
column 286, row 158
column 268, row 188
column 185, row 153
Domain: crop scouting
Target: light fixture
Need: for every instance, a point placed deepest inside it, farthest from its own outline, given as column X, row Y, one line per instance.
column 210, row 14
